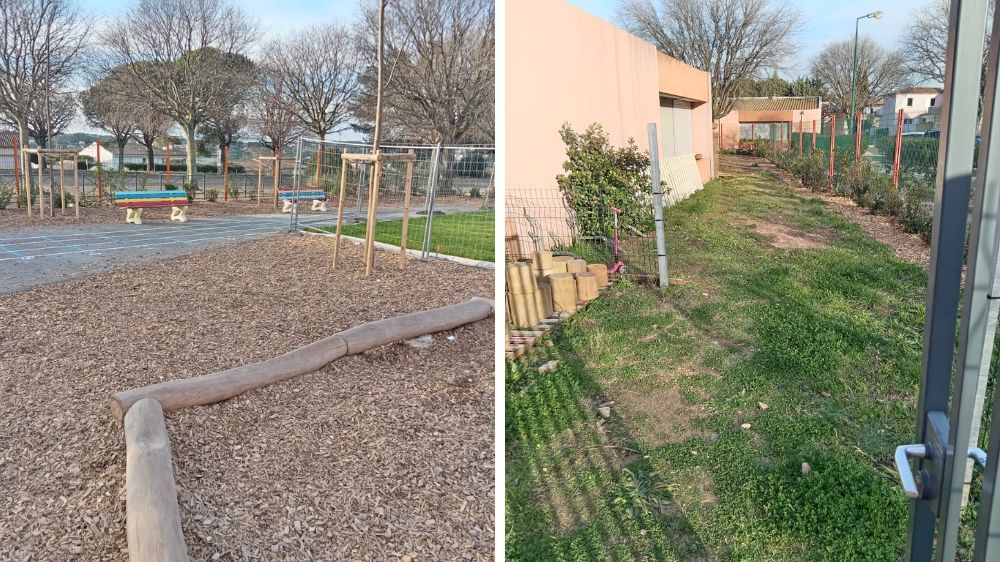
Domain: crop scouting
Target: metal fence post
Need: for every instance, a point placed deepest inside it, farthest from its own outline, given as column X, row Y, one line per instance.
column 431, row 189
column 935, row 515
column 654, row 171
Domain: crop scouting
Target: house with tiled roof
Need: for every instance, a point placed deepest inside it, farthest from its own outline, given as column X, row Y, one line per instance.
column 773, row 118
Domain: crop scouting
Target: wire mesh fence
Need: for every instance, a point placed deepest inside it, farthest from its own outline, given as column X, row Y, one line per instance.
column 451, row 202
column 542, row 219
column 887, row 165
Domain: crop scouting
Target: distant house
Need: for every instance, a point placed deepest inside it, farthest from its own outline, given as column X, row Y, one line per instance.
column 921, row 107
column 135, row 153
column 771, row 118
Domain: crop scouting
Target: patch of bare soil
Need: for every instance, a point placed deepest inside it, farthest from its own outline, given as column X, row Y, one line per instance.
column 906, row 246
column 659, row 416
column 789, row 238
column 13, row 218
column 382, row 455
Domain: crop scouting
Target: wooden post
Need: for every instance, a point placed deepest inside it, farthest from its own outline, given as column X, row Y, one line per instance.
column 52, row 187
column 17, row 175
column 41, row 188
column 372, row 215
column 76, row 185
column 62, row 183
column 260, row 180
column 896, row 150
column 152, row 518
column 225, row 174
column 857, row 138
column 406, row 208
column 340, row 208
column 100, row 188
column 167, row 158
column 833, row 136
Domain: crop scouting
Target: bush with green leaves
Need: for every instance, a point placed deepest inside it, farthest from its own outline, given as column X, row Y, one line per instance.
column 211, row 195
column 600, row 176
column 191, row 189
column 234, row 190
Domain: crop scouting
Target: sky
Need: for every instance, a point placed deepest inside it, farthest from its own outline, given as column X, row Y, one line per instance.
column 822, row 22
column 275, row 19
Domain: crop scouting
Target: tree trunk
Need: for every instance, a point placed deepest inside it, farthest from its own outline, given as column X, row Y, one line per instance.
column 121, row 153
column 150, row 166
column 191, row 150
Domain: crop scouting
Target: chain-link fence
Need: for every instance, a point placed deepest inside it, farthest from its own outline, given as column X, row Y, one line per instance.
column 452, row 194
column 242, row 185
column 542, row 219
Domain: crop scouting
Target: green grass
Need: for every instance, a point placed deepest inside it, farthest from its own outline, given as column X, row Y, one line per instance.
column 468, row 234
column 827, row 337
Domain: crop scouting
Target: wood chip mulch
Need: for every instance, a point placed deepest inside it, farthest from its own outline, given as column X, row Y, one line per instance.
column 388, row 454
column 906, row 246
column 12, row 218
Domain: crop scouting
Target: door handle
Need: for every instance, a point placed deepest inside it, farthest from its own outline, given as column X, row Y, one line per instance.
column 903, row 455
column 918, row 451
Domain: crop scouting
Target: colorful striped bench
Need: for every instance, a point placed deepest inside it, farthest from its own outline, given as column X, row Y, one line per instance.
column 288, row 195
column 135, row 201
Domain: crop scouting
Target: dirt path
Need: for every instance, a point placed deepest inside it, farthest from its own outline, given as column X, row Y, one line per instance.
column 906, row 246
column 382, row 455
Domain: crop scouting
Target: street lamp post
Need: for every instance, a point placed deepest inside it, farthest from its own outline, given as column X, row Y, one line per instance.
column 854, row 65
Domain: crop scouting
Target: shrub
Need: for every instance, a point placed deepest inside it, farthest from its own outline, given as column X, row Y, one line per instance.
column 600, row 176
column 211, row 195
column 191, row 189
column 234, row 190
column 6, row 194
column 474, row 192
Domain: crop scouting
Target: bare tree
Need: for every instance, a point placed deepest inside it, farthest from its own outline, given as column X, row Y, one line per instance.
column 732, row 40
column 182, row 55
column 41, row 43
column 56, row 115
column 150, row 127
column 319, row 75
column 107, row 106
column 925, row 39
column 880, row 72
column 269, row 116
column 439, row 67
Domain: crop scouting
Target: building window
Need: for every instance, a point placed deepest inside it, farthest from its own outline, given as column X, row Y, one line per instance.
column 932, row 101
column 909, row 102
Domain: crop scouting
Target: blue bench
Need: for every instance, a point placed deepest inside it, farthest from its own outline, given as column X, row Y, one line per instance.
column 288, row 196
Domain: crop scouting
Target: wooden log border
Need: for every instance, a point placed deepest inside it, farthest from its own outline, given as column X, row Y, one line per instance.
column 152, row 515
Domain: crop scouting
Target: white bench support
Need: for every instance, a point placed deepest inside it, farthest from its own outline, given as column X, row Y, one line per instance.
column 317, row 205
column 179, row 214
column 133, row 215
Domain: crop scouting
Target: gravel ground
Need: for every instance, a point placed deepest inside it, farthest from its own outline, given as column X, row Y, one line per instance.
column 908, row 247
column 388, row 454
column 11, row 218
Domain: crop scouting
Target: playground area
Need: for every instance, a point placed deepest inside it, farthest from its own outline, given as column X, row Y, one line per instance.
column 382, row 454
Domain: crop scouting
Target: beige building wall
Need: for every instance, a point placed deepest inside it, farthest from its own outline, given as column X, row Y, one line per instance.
column 565, row 65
